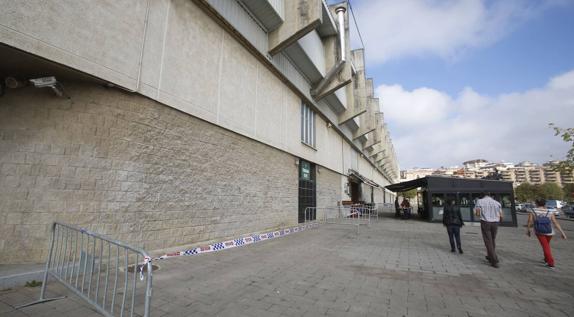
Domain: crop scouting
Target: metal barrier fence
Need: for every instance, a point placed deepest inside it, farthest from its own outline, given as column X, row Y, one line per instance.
column 385, row 208
column 102, row 271
column 356, row 215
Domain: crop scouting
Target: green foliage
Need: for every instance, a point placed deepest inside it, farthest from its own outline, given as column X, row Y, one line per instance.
column 550, row 191
column 568, row 190
column 525, row 192
column 528, row 192
column 33, row 283
column 567, row 134
column 410, row 194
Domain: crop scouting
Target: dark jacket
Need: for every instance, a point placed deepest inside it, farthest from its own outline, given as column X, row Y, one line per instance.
column 452, row 216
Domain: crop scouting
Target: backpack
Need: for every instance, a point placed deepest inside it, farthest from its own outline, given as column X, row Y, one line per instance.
column 542, row 224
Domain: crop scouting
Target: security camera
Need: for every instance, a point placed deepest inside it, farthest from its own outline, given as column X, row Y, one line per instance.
column 44, row 82
column 49, row 82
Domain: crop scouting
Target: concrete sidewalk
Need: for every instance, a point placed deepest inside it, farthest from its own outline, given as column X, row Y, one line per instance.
column 393, row 268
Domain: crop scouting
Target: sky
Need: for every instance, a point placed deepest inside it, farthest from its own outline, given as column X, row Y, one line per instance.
column 469, row 79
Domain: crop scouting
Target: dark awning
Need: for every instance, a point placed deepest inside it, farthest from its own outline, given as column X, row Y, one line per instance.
column 445, row 184
column 363, row 178
column 408, row 185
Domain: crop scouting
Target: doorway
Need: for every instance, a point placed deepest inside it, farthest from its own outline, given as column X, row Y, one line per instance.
column 355, row 188
column 307, row 190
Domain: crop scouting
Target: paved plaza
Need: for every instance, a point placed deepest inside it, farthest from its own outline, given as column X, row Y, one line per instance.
column 392, row 268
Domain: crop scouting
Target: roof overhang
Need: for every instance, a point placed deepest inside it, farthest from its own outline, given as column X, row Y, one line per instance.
column 408, row 185
column 453, row 184
column 353, row 173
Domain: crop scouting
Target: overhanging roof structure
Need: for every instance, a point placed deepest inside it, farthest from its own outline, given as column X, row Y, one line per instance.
column 363, row 178
column 452, row 184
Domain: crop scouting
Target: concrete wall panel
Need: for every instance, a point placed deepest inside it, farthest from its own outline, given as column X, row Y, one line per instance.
column 237, row 88
column 153, row 52
column 104, row 40
column 191, row 58
column 269, row 120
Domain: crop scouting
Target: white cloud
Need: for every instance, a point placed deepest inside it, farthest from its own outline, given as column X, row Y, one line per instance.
column 394, row 29
column 431, row 128
column 424, row 104
column 565, row 81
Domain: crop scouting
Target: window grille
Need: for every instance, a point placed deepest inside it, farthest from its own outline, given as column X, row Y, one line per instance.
column 307, row 125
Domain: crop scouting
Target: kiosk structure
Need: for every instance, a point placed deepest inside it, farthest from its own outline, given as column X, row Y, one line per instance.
column 434, row 191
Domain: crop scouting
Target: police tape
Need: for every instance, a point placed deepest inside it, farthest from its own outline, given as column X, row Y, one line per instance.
column 219, row 246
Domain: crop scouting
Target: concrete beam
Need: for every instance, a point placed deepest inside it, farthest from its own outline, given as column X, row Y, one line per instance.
column 301, row 17
column 369, row 87
column 380, row 158
column 377, row 150
column 372, row 143
column 362, row 131
column 332, row 55
column 350, row 115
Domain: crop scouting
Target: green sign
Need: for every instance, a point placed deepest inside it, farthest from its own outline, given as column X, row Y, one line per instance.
column 305, row 170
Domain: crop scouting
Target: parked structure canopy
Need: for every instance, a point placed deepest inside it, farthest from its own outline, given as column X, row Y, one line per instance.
column 436, row 191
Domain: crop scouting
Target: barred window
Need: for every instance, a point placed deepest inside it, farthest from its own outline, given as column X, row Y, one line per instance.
column 307, row 125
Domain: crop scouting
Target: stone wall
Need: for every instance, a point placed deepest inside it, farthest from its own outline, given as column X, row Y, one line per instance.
column 379, row 195
column 131, row 168
column 328, row 187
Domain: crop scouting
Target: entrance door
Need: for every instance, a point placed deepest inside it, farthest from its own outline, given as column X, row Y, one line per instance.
column 307, row 189
column 355, row 188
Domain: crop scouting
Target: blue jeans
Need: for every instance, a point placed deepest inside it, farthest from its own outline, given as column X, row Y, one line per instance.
column 453, row 234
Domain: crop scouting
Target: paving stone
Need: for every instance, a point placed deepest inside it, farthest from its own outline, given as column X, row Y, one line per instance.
column 393, row 268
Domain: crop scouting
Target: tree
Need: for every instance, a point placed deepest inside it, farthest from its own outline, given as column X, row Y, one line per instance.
column 568, row 190
column 567, row 134
column 410, row 193
column 526, row 192
column 551, row 191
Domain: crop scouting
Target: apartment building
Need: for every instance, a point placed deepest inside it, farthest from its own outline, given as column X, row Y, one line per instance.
column 175, row 122
column 523, row 172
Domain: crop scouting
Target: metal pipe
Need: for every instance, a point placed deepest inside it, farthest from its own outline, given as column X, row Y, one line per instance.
column 341, row 20
column 99, row 271
column 45, row 279
column 74, row 258
column 125, row 282
column 343, row 52
column 107, row 276
column 116, row 280
column 134, row 285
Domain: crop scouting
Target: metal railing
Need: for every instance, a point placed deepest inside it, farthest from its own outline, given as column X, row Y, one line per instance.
column 103, row 272
column 356, row 215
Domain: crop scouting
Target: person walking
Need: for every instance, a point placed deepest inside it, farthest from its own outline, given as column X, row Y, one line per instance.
column 406, row 207
column 544, row 223
column 490, row 212
column 397, row 207
column 452, row 219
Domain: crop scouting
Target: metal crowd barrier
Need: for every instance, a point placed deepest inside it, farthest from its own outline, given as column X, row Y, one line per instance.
column 103, row 272
column 355, row 215
column 385, row 208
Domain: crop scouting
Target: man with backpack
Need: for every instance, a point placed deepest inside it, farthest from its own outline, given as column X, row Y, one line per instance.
column 544, row 222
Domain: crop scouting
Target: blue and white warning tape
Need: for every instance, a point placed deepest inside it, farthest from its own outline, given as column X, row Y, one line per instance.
column 219, row 246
